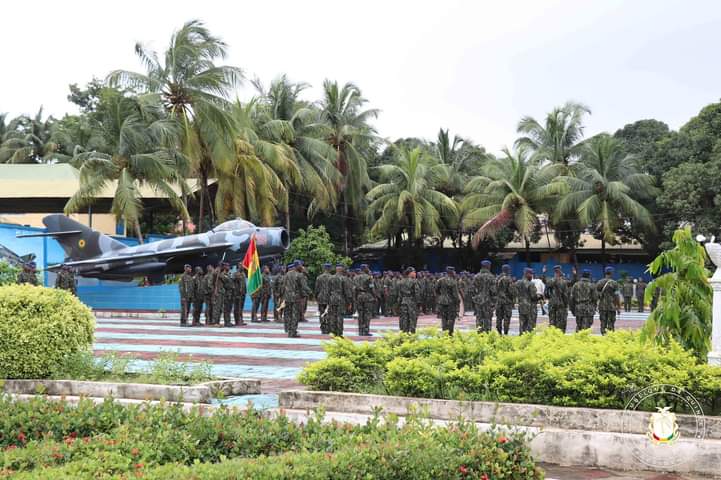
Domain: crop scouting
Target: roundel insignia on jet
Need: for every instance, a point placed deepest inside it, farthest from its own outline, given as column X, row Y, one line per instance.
column 81, row 243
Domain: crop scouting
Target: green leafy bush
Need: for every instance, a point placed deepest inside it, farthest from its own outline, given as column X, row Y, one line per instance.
column 314, row 247
column 8, row 273
column 546, row 367
column 43, row 439
column 39, row 327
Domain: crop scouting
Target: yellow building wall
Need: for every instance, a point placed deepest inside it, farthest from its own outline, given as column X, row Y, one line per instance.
column 102, row 222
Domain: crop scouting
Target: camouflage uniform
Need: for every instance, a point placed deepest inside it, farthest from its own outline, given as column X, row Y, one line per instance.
column 65, row 280
column 28, row 275
column 295, row 289
column 261, row 297
column 350, row 285
column 393, row 303
column 607, row 301
column 409, row 291
column 304, row 303
column 467, row 290
column 227, row 298
column 198, row 296
column 527, row 305
column 583, row 303
column 447, row 301
column 627, row 295
column 483, row 297
column 208, row 287
column 557, row 293
column 364, row 302
column 277, row 288
column 240, row 286
column 217, row 296
column 505, row 298
column 640, row 293
column 322, row 296
column 187, row 290
column 339, row 296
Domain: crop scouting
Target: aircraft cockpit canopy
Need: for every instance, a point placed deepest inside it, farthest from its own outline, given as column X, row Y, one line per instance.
column 233, row 225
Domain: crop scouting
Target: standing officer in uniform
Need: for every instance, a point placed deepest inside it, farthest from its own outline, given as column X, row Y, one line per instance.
column 187, row 291
column 295, row 290
column 583, row 301
column 227, row 298
column 322, row 296
column 640, row 292
column 627, row 291
column 240, row 286
column 364, row 300
column 557, row 293
column 65, row 280
column 198, row 295
column 409, row 291
column 208, row 284
column 448, row 298
column 28, row 274
column 608, row 303
column 527, row 302
column 483, row 296
column 339, row 296
column 217, row 294
column 277, row 288
column 505, row 298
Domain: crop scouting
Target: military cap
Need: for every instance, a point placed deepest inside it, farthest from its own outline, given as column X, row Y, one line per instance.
column 528, row 270
column 506, row 267
column 363, row 265
column 187, row 265
column 586, row 273
column 298, row 262
column 608, row 270
column 410, row 269
column 450, row 269
column 291, row 265
column 557, row 267
column 31, row 265
column 327, row 265
column 486, row 263
column 340, row 265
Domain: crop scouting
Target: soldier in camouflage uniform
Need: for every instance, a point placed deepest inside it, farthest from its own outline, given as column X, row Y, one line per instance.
column 448, row 297
column 640, row 294
column 261, row 297
column 409, row 291
column 348, row 277
column 186, row 287
column 65, row 280
column 608, row 303
column 198, row 295
column 377, row 293
column 583, row 301
column 277, row 288
column 557, row 292
column 483, row 296
column 304, row 305
column 364, row 300
column 208, row 283
column 467, row 283
column 217, row 295
column 627, row 291
column 322, row 296
column 28, row 274
column 240, row 287
column 505, row 298
column 295, row 290
column 339, row 296
column 527, row 302
column 227, row 298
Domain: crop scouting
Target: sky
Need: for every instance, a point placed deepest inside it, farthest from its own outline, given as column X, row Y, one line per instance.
column 475, row 67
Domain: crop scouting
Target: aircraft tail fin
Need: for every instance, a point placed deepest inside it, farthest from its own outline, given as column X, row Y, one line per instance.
column 78, row 241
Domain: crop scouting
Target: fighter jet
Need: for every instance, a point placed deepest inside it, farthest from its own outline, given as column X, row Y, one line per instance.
column 95, row 255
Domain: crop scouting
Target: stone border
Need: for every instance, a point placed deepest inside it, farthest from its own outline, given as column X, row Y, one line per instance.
column 201, row 393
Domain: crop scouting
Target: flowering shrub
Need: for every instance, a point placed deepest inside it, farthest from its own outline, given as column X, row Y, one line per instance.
column 546, row 367
column 42, row 439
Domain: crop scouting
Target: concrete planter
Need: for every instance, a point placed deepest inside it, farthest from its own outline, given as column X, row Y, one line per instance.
column 201, row 393
column 562, row 435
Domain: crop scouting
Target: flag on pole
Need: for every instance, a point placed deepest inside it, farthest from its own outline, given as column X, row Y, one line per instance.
column 251, row 262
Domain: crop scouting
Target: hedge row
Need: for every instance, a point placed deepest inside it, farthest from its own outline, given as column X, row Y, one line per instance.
column 42, row 439
column 545, row 367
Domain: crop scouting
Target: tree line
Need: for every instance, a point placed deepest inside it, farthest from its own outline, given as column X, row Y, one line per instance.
column 282, row 159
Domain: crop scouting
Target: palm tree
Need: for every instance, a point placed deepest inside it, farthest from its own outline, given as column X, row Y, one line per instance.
column 284, row 118
column 194, row 90
column 408, row 199
column 512, row 192
column 558, row 139
column 29, row 140
column 135, row 143
column 604, row 187
column 344, row 126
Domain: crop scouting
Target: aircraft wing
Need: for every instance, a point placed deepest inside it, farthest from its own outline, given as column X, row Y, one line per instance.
column 163, row 255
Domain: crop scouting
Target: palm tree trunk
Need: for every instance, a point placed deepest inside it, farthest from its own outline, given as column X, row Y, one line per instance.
column 201, row 203
column 138, row 233
column 528, row 251
column 603, row 251
column 183, row 220
column 347, row 227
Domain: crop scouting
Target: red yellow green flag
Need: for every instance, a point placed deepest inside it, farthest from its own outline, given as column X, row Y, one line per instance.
column 251, row 262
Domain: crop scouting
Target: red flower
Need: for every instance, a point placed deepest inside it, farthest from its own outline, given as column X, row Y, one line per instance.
column 463, row 470
column 21, row 437
column 69, row 441
column 86, row 439
column 135, row 452
column 484, row 477
column 502, row 440
column 57, row 455
column 139, row 465
column 11, row 447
